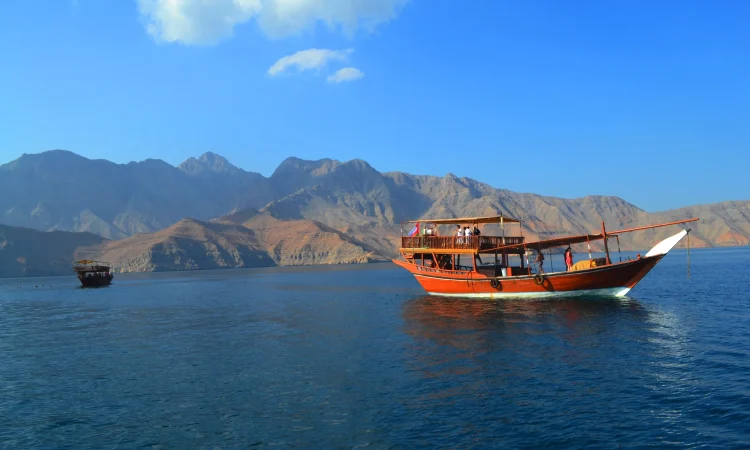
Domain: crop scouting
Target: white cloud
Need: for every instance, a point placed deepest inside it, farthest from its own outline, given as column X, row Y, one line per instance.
column 195, row 21
column 346, row 74
column 200, row 22
column 314, row 58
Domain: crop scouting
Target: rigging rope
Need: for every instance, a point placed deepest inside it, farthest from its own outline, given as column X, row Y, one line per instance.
column 551, row 266
column 618, row 246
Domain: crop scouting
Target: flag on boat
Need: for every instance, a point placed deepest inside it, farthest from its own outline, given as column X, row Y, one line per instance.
column 414, row 231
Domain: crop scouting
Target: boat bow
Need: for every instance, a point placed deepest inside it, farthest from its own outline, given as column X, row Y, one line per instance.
column 663, row 247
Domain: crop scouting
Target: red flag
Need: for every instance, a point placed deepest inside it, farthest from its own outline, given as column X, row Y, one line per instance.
column 415, row 230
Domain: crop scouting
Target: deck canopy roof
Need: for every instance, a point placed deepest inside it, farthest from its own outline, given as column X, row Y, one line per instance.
column 461, row 220
column 89, row 261
column 90, row 265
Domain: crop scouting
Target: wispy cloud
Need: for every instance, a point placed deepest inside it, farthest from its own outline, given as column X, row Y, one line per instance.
column 314, row 58
column 287, row 17
column 204, row 22
column 346, row 74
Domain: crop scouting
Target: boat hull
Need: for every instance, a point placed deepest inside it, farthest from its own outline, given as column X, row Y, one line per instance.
column 96, row 281
column 611, row 280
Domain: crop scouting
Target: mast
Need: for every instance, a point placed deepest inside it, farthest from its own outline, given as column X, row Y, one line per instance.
column 606, row 246
column 502, row 227
column 505, row 255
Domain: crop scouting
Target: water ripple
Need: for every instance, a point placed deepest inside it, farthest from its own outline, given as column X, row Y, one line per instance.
column 351, row 357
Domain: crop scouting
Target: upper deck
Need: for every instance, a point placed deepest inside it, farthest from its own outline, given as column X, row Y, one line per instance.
column 87, row 265
column 456, row 244
column 428, row 242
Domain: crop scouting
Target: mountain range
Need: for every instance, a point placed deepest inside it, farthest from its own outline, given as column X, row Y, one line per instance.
column 208, row 213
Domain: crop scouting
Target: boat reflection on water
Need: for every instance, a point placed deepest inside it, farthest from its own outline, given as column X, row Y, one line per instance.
column 518, row 360
column 465, row 335
column 562, row 366
column 442, row 313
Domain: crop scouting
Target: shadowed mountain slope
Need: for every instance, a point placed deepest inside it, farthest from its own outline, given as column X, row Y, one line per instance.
column 27, row 252
column 59, row 190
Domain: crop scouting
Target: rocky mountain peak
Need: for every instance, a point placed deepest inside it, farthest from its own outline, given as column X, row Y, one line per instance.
column 297, row 166
column 359, row 165
column 208, row 162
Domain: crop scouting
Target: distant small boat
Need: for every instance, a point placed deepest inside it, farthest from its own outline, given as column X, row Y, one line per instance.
column 93, row 273
column 436, row 262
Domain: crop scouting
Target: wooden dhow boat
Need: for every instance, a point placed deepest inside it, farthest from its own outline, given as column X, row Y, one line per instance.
column 478, row 266
column 93, row 273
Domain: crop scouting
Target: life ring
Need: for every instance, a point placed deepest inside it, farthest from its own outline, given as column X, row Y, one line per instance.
column 494, row 283
column 539, row 279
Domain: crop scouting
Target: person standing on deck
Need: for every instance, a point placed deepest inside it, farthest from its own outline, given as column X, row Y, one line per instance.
column 459, row 234
column 569, row 258
column 539, row 262
column 467, row 233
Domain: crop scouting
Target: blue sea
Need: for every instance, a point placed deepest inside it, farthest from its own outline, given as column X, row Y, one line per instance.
column 359, row 356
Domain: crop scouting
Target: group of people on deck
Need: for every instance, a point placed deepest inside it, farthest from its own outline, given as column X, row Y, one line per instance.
column 568, row 260
column 466, row 232
column 460, row 232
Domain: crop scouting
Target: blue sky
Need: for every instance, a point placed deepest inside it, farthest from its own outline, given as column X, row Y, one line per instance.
column 649, row 101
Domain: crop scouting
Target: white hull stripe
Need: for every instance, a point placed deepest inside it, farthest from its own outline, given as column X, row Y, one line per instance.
column 609, row 292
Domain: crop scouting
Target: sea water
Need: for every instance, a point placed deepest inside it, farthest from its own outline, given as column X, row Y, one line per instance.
column 354, row 356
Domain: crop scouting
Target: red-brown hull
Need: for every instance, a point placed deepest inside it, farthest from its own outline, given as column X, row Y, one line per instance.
column 96, row 280
column 615, row 279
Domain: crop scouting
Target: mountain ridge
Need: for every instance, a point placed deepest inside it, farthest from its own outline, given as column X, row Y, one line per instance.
column 59, row 190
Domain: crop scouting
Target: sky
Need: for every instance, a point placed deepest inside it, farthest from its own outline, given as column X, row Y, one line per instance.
column 649, row 101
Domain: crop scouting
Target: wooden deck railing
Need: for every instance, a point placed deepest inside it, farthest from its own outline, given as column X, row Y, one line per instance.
column 458, row 243
column 91, row 268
